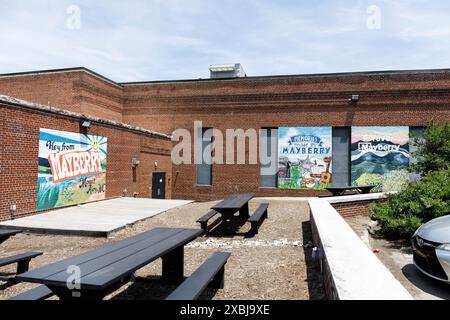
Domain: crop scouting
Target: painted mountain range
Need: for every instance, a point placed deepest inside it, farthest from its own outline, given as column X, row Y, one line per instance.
column 378, row 157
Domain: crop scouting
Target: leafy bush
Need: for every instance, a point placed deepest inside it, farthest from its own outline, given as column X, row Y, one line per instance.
column 433, row 149
column 416, row 204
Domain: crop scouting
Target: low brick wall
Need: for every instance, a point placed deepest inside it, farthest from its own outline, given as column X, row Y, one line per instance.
column 350, row 270
column 355, row 205
column 355, row 208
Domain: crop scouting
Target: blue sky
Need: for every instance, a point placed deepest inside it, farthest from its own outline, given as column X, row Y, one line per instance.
column 179, row 39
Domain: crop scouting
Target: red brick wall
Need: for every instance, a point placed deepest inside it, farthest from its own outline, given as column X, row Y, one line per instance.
column 391, row 99
column 77, row 91
column 387, row 100
column 54, row 89
column 19, row 157
column 355, row 208
column 99, row 98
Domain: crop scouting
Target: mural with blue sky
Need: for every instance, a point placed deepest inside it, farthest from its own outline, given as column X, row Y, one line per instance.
column 71, row 168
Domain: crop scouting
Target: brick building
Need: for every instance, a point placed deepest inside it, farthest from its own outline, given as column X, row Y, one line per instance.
column 62, row 99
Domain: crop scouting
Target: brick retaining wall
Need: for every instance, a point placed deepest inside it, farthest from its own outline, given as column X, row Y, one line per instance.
column 355, row 208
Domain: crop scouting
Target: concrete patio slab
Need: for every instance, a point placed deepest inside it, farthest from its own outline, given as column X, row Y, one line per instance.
column 94, row 219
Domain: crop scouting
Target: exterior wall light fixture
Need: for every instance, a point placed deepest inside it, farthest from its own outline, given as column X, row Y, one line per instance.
column 135, row 162
column 354, row 98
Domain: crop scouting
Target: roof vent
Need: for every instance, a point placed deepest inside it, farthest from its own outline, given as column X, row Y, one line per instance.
column 220, row 71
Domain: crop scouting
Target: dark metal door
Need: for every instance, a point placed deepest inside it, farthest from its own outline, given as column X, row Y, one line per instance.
column 159, row 185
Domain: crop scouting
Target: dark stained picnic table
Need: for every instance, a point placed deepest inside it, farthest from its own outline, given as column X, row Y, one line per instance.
column 105, row 269
column 6, row 234
column 234, row 203
column 340, row 190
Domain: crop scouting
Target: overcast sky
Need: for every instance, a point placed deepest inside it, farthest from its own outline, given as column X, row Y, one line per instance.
column 137, row 40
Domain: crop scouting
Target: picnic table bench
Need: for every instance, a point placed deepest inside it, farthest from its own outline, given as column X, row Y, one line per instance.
column 210, row 272
column 258, row 217
column 39, row 293
column 6, row 234
column 105, row 269
column 204, row 220
column 340, row 190
column 22, row 259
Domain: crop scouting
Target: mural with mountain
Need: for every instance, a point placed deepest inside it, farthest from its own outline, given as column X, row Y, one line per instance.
column 377, row 151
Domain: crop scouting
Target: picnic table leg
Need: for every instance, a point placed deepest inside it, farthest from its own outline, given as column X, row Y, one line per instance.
column 23, row 266
column 244, row 213
column 218, row 280
column 173, row 266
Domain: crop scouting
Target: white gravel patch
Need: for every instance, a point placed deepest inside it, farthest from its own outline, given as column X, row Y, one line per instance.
column 212, row 243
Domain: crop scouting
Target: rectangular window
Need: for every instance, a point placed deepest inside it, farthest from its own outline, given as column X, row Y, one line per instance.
column 204, row 168
column 268, row 175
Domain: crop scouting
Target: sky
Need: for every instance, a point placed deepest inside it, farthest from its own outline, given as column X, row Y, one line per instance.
column 144, row 40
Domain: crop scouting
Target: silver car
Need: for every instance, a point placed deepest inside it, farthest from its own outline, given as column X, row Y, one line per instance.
column 431, row 248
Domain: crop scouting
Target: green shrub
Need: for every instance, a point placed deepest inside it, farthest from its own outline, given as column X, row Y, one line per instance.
column 433, row 149
column 416, row 204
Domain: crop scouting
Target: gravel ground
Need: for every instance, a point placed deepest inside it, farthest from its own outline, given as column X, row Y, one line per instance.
column 272, row 265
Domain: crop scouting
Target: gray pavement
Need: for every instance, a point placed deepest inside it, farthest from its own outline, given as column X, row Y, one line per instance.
column 94, row 219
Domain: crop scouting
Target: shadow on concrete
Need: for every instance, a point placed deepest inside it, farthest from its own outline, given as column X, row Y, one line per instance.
column 151, row 288
column 315, row 280
column 425, row 283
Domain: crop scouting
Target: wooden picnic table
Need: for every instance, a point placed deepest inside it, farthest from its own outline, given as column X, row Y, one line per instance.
column 340, row 190
column 234, row 203
column 105, row 269
column 6, row 234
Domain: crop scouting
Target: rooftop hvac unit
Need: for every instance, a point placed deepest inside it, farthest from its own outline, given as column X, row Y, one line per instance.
column 220, row 71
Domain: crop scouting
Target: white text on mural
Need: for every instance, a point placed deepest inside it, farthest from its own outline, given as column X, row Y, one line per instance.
column 364, row 146
column 70, row 165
